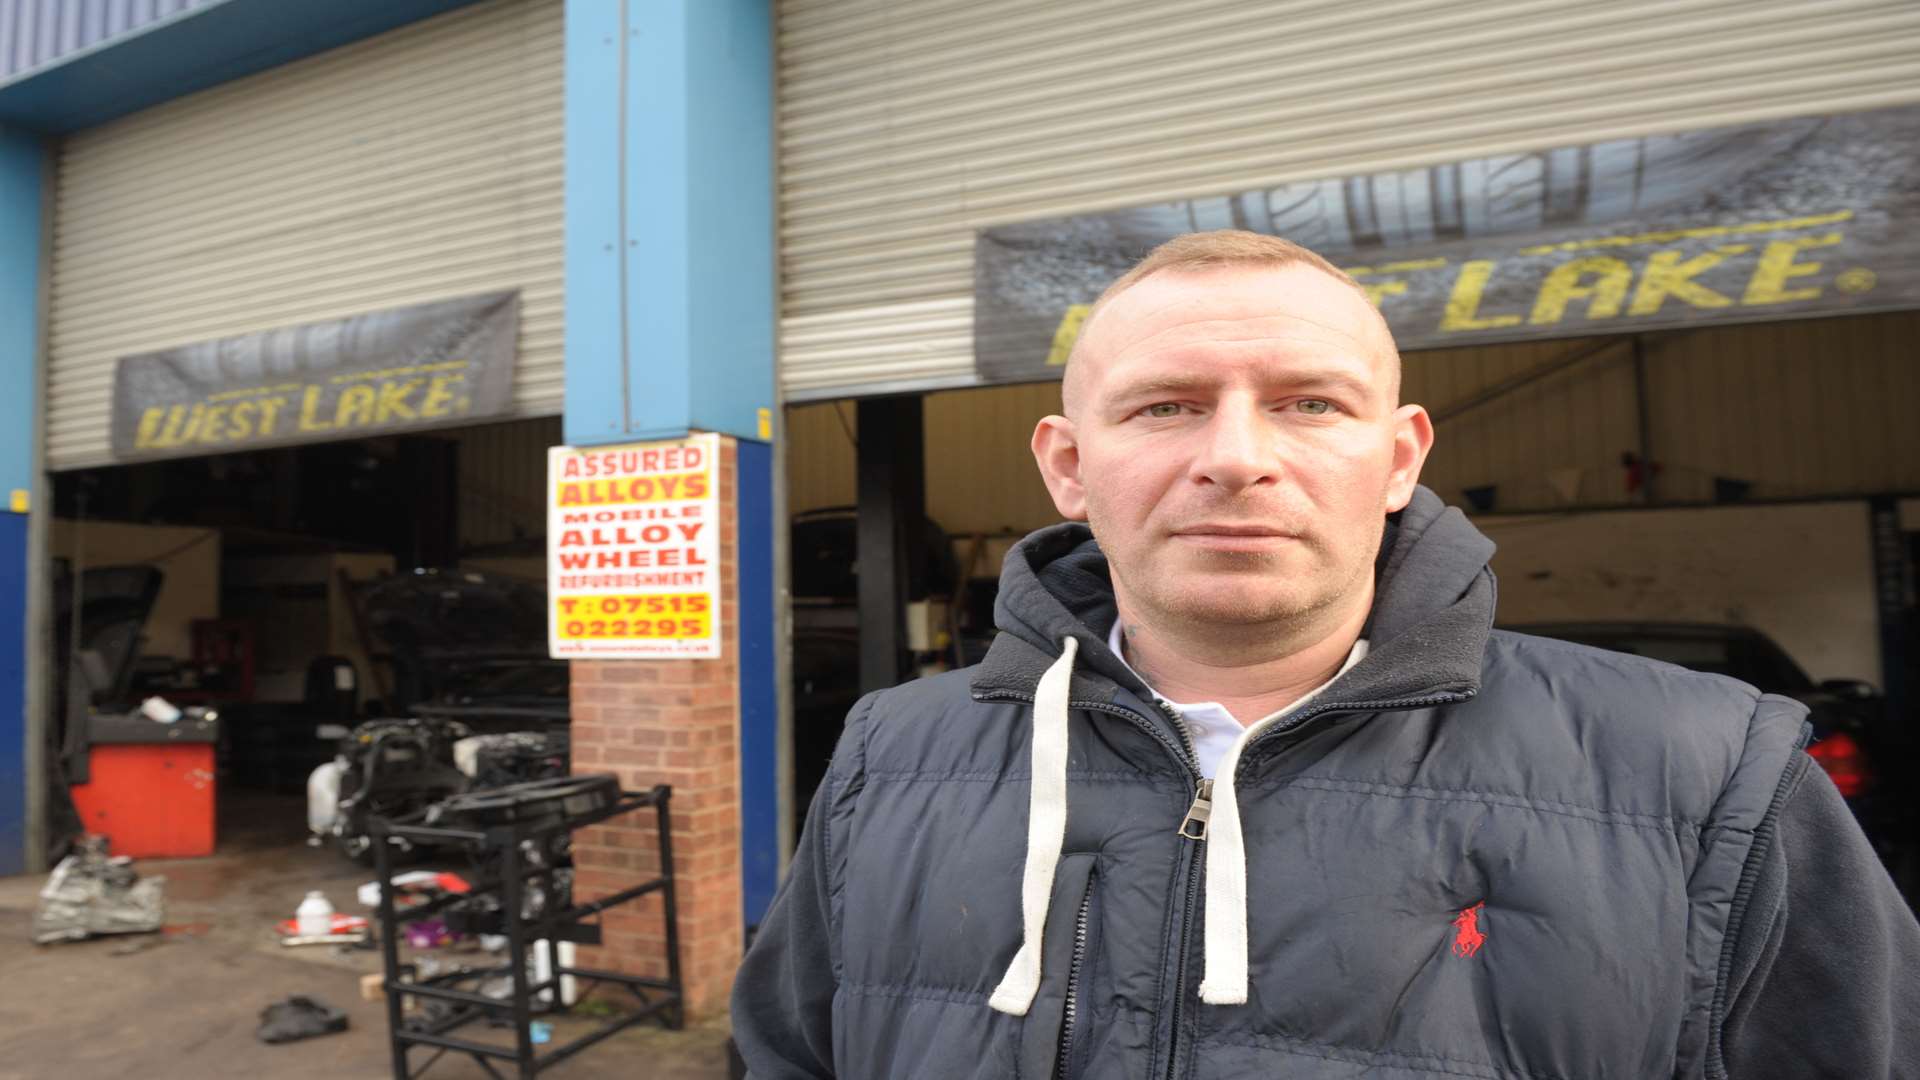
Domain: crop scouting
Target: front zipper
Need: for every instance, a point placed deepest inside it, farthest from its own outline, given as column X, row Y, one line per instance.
column 1184, row 753
column 1194, row 825
column 1203, row 802
column 1070, row 1013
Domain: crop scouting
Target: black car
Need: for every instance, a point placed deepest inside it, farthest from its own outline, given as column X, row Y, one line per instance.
column 1855, row 741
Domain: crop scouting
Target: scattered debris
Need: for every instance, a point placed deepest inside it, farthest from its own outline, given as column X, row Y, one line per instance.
column 314, row 916
column 336, row 924
column 297, row 940
column 414, row 887
column 429, row 934
column 90, row 893
column 299, row 1017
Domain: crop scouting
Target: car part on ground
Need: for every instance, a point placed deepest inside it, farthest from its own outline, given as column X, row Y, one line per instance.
column 90, row 894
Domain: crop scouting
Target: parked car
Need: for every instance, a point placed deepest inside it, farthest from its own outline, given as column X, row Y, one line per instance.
column 1854, row 740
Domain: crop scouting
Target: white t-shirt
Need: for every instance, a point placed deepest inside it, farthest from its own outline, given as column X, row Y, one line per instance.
column 1213, row 728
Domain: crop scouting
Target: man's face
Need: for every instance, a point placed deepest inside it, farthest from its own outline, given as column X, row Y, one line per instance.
column 1234, row 441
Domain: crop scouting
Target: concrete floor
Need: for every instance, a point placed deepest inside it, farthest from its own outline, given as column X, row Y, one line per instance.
column 186, row 1003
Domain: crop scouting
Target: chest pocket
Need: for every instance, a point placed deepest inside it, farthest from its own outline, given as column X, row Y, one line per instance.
column 1054, row 1038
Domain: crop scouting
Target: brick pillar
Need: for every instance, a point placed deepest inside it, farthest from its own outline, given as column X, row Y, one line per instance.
column 674, row 722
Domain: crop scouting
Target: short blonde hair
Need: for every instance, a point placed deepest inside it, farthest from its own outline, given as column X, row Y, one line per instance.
column 1212, row 250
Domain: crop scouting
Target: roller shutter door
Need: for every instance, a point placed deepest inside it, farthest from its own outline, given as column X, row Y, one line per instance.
column 904, row 125
column 421, row 164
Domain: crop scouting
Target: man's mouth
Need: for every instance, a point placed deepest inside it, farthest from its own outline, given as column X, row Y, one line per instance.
column 1231, row 530
column 1233, row 537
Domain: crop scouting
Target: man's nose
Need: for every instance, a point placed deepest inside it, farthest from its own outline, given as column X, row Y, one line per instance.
column 1238, row 451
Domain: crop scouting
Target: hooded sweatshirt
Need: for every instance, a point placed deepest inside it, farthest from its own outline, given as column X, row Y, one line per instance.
column 1473, row 854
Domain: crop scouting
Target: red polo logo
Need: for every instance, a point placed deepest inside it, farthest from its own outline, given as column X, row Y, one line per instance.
column 1467, row 937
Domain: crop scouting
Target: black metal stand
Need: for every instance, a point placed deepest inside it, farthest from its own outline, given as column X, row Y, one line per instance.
column 659, row 998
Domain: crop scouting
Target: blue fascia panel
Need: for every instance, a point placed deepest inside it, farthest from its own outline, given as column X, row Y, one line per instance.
column 22, row 165
column 192, row 51
column 669, row 218
column 731, row 206
column 759, row 705
column 660, row 365
column 596, row 244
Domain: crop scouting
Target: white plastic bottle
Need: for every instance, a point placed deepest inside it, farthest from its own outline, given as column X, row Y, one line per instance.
column 314, row 917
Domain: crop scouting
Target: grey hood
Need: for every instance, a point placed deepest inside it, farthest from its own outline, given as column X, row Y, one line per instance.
column 1432, row 613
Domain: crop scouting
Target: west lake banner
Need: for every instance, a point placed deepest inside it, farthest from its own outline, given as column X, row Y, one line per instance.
column 1789, row 219
column 428, row 365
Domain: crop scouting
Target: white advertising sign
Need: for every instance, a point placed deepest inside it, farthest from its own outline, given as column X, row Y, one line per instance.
column 633, row 550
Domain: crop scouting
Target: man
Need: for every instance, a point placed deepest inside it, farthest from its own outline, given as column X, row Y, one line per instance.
column 1248, row 787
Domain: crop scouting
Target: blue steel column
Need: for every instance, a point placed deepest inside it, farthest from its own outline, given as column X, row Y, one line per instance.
column 22, row 161
column 670, row 289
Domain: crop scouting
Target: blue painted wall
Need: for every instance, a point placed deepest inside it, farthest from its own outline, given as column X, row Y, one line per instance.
column 22, row 160
column 13, row 694
column 759, row 703
column 669, row 230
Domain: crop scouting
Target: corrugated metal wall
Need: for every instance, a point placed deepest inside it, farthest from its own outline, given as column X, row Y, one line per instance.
column 1798, row 409
column 35, row 33
column 503, row 481
column 419, row 164
column 906, row 124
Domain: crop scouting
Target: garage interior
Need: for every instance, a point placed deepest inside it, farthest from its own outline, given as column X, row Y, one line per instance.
column 1758, row 476
column 298, row 592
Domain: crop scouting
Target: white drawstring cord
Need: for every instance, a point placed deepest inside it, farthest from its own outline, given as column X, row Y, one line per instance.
column 1046, row 831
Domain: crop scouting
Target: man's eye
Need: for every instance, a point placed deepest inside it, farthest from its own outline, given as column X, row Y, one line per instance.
column 1316, row 406
column 1162, row 411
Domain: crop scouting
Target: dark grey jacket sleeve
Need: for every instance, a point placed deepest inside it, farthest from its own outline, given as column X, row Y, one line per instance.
column 1825, row 978
column 782, row 1007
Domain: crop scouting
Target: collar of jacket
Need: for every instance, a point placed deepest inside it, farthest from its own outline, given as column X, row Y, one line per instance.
column 1432, row 615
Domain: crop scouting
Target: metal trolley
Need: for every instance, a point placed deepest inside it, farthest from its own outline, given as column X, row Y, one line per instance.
column 506, row 831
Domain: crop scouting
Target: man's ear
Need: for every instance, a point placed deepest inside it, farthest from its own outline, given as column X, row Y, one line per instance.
column 1058, row 455
column 1412, row 441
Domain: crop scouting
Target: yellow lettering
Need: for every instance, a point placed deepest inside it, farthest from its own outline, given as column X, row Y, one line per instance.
column 1768, row 285
column 170, row 433
column 393, row 401
column 269, row 413
column 149, row 428
column 1378, row 291
column 1463, row 307
column 191, row 430
column 242, row 420
column 355, row 407
column 309, row 406
column 1667, row 276
column 1067, row 333
column 213, row 430
column 440, row 395
column 1563, row 286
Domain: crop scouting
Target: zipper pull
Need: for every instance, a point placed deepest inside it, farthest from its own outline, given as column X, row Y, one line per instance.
column 1195, row 825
